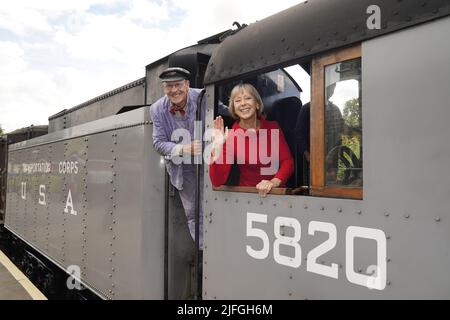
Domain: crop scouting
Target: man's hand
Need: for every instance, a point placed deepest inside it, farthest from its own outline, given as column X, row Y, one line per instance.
column 194, row 148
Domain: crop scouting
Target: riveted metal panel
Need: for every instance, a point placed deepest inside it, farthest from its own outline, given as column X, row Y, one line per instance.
column 112, row 164
column 99, row 205
column 138, row 272
column 43, row 204
column 58, row 195
column 310, row 28
column 407, row 153
column 75, row 210
column 13, row 190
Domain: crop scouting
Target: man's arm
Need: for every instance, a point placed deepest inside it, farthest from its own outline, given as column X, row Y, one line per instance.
column 161, row 142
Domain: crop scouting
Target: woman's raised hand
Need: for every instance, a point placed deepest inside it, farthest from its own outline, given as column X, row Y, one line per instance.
column 219, row 134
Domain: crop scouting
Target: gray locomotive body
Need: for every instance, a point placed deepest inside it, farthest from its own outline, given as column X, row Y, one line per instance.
column 91, row 194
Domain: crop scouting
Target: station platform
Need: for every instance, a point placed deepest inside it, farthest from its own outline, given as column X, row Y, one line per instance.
column 14, row 285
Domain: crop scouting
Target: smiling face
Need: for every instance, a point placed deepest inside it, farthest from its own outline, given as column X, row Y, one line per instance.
column 245, row 105
column 245, row 102
column 177, row 91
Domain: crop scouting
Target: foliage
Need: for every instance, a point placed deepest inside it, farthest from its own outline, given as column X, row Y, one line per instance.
column 352, row 113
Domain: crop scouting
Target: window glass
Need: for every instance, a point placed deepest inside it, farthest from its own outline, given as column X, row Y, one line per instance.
column 343, row 127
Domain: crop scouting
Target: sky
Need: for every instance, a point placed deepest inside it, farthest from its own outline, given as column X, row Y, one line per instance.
column 57, row 54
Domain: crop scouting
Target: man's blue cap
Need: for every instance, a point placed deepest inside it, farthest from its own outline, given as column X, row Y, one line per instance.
column 174, row 74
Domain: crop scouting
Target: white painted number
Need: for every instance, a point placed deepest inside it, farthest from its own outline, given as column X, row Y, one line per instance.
column 296, row 260
column 258, row 233
column 377, row 274
column 329, row 244
column 377, row 281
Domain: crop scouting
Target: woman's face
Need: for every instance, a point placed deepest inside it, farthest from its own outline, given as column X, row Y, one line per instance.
column 245, row 105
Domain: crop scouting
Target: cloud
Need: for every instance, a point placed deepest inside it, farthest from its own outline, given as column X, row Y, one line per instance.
column 61, row 53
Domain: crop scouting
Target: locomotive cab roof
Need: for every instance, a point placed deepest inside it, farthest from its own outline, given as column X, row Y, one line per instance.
column 310, row 28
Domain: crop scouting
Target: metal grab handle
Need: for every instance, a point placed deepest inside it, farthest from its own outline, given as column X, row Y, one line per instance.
column 198, row 135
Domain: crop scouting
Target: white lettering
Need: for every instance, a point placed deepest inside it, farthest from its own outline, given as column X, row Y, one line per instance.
column 24, row 190
column 40, row 167
column 69, row 203
column 42, row 195
column 68, row 167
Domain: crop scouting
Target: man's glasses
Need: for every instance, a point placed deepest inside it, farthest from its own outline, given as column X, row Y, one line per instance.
column 176, row 85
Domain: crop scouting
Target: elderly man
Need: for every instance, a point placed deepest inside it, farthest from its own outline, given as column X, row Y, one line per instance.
column 175, row 113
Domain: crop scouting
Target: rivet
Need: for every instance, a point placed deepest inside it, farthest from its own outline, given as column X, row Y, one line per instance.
column 210, row 214
column 386, row 214
column 210, row 220
column 406, row 216
column 274, row 204
column 306, row 206
column 248, row 201
column 322, row 208
column 388, row 237
column 359, row 270
column 388, row 260
column 359, row 212
column 261, row 203
column 388, row 283
column 290, row 277
column 437, row 219
column 339, row 209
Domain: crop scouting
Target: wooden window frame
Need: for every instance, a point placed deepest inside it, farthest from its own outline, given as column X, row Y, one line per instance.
column 317, row 143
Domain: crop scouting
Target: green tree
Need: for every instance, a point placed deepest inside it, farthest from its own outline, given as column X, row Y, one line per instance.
column 352, row 113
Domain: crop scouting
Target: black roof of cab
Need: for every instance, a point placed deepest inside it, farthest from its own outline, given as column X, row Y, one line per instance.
column 310, row 28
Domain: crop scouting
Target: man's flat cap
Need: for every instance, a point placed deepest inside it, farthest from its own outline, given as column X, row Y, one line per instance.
column 174, row 74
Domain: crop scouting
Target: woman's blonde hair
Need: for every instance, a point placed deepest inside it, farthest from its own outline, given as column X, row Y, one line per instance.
column 245, row 87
